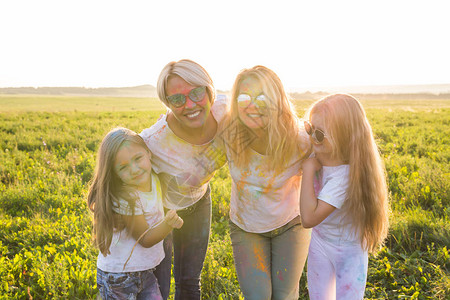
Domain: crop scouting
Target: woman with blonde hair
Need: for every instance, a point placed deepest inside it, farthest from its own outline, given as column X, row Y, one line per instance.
column 344, row 197
column 265, row 147
column 185, row 156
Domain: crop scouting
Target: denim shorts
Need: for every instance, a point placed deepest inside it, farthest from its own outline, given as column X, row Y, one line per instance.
column 129, row 285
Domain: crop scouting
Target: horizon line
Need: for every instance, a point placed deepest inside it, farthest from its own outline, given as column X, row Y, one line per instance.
column 299, row 87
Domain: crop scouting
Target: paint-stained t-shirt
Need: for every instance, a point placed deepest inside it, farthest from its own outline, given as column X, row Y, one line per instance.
column 149, row 204
column 261, row 199
column 331, row 187
column 184, row 169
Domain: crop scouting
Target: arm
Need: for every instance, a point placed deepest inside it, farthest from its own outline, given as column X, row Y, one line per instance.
column 138, row 225
column 313, row 210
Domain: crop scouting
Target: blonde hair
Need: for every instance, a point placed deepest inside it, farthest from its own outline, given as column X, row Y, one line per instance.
column 282, row 128
column 107, row 188
column 189, row 71
column 352, row 142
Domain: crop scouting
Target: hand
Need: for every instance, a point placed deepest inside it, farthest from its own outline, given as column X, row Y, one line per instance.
column 173, row 220
column 311, row 164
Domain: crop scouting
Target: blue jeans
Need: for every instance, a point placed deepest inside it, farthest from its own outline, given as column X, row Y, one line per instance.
column 130, row 285
column 190, row 243
column 269, row 265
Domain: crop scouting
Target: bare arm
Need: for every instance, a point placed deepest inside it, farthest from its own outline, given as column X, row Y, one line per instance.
column 138, row 225
column 313, row 210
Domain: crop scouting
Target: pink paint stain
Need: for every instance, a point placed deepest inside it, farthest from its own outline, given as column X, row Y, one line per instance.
column 280, row 276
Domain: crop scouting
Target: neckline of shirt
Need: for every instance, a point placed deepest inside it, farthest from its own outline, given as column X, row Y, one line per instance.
column 183, row 140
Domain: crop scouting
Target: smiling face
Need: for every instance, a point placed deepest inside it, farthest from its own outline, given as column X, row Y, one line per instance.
column 191, row 114
column 252, row 116
column 132, row 165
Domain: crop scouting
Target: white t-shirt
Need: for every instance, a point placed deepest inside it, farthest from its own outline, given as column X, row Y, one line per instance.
column 149, row 205
column 331, row 187
column 184, row 169
column 262, row 200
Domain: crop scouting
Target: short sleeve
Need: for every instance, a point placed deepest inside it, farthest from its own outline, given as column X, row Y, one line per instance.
column 334, row 189
column 123, row 208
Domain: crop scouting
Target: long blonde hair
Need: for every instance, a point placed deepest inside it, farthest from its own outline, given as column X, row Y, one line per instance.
column 107, row 188
column 282, row 128
column 352, row 141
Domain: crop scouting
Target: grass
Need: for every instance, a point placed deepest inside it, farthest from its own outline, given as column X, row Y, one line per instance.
column 47, row 153
column 27, row 103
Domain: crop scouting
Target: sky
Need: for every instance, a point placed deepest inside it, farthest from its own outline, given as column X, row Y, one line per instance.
column 313, row 43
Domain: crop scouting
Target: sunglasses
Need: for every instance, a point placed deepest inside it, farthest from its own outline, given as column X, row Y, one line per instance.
column 196, row 95
column 317, row 135
column 244, row 100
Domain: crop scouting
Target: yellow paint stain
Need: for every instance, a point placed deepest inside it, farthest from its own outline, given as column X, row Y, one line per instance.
column 259, row 255
column 268, row 188
column 242, row 182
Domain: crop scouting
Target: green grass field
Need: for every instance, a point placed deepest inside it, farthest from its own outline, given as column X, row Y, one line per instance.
column 27, row 103
column 47, row 153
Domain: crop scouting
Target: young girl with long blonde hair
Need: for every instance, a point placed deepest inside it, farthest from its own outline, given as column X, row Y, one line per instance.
column 265, row 146
column 125, row 197
column 343, row 196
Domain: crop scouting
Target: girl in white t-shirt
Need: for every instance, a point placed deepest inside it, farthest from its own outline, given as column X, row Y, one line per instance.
column 129, row 223
column 343, row 196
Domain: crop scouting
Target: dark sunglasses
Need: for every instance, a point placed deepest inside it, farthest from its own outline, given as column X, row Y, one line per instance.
column 196, row 94
column 317, row 135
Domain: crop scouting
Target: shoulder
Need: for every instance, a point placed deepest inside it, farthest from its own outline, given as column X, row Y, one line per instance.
column 337, row 175
column 156, row 182
column 335, row 183
column 151, row 201
column 341, row 170
column 124, row 207
column 220, row 107
column 159, row 127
